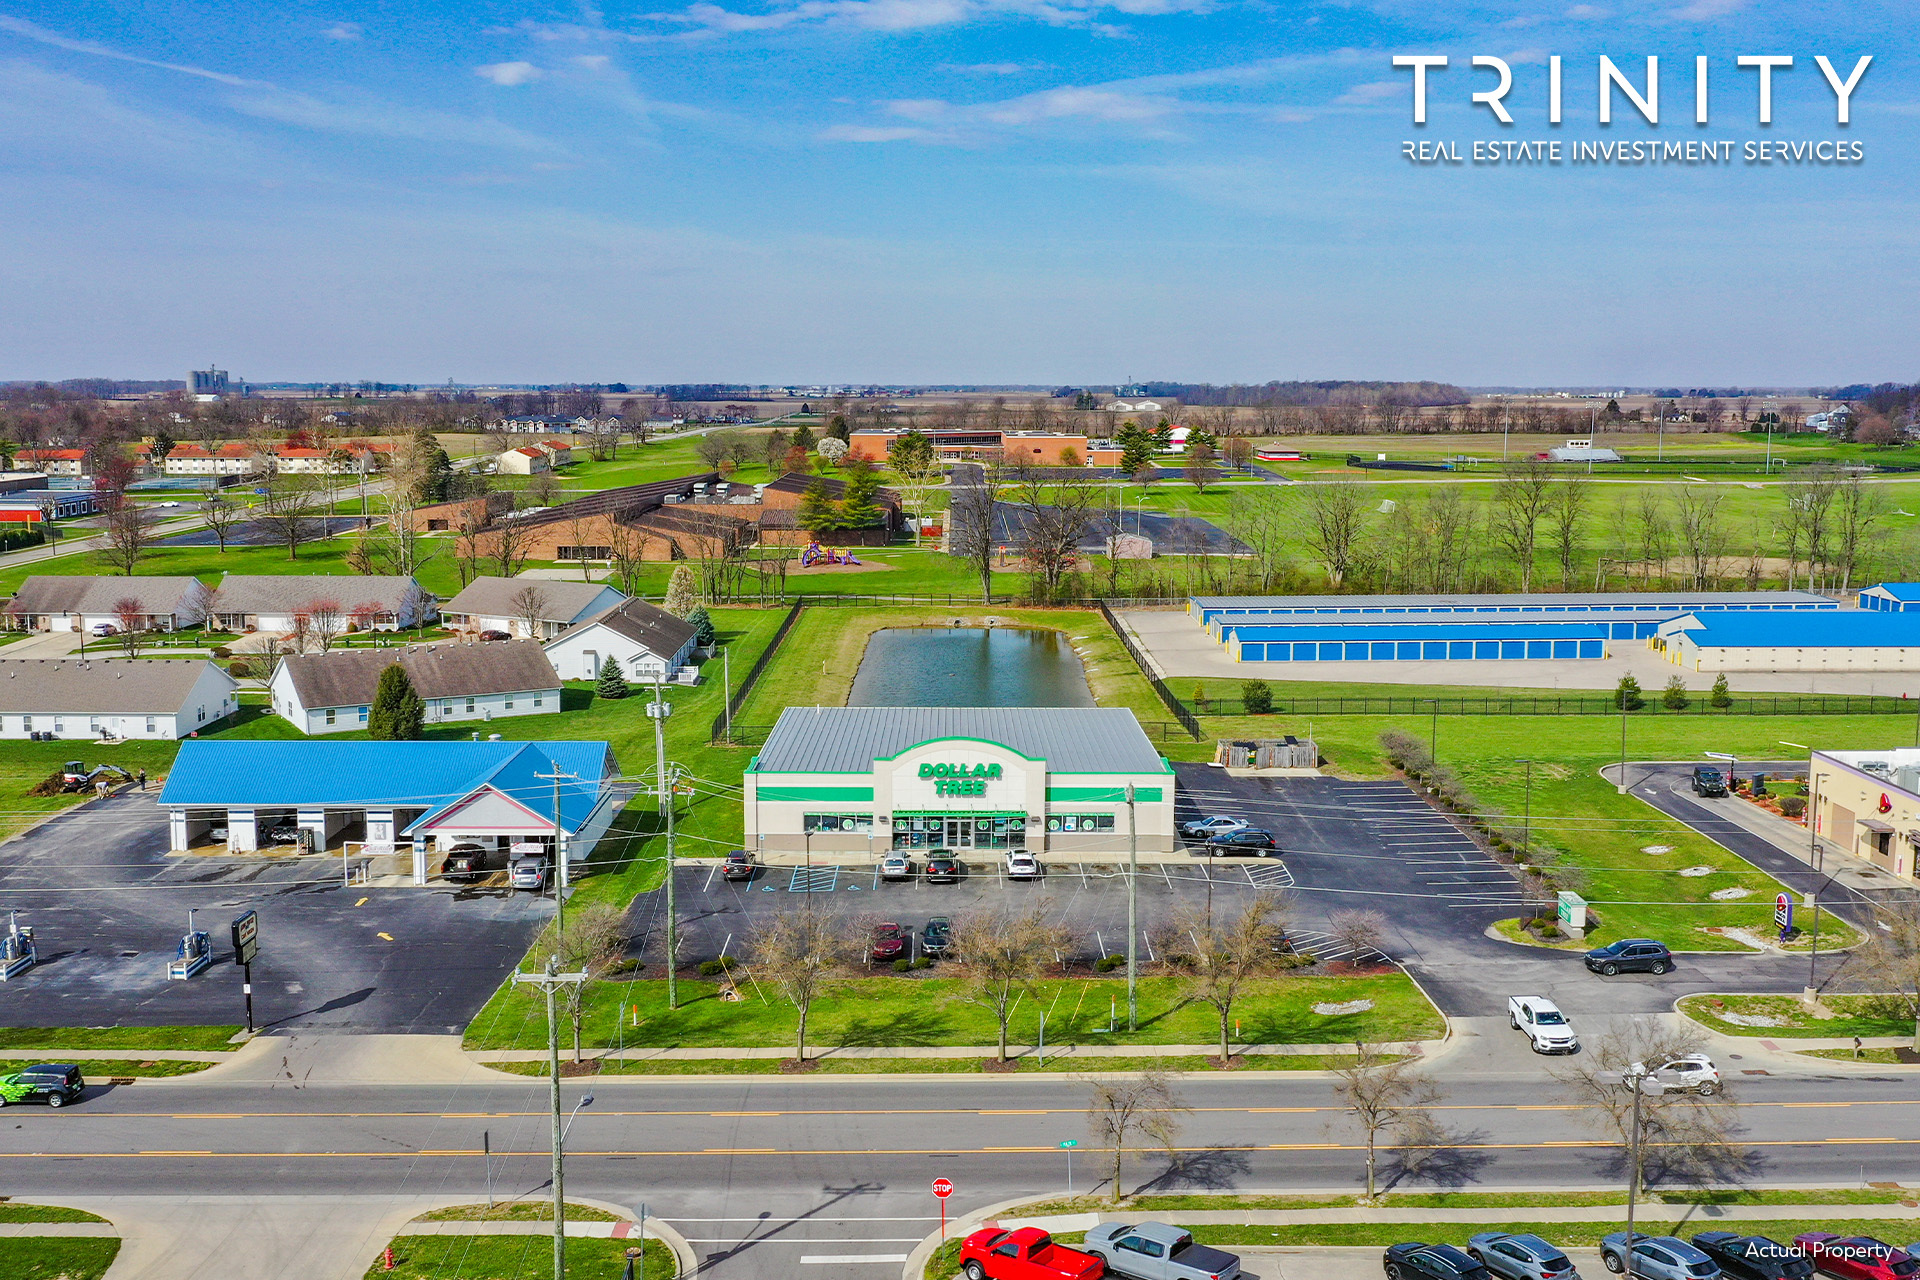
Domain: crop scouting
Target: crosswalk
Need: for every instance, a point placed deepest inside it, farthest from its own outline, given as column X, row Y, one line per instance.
column 1324, row 947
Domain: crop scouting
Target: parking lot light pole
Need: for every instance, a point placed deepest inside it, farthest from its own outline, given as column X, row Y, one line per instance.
column 1526, row 813
column 1816, row 861
column 1620, row 783
column 1636, row 1079
column 1133, row 924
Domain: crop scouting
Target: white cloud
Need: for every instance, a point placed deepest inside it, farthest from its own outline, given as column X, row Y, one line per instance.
column 374, row 118
column 344, row 31
column 992, row 68
column 1361, row 95
column 593, row 61
column 707, row 17
column 508, row 74
column 1529, row 57
column 1588, row 11
column 867, row 133
column 1707, row 10
column 31, row 32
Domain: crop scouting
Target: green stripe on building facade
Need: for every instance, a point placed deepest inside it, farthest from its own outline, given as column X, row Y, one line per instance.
column 1101, row 795
column 803, row 795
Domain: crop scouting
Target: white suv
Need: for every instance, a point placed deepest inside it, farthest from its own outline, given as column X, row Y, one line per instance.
column 1544, row 1024
column 1022, row 865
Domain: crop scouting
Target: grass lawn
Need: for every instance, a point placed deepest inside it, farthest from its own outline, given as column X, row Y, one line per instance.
column 118, row 1037
column 1883, row 1057
column 1568, row 1235
column 514, row 1258
column 98, row 1069
column 1573, row 809
column 516, row 1211
column 1787, row 1016
column 1203, row 1202
column 922, row 1011
column 10, row 1212
column 55, row 1258
column 947, row 1066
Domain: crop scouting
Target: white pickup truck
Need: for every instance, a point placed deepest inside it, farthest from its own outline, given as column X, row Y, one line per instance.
column 1544, row 1024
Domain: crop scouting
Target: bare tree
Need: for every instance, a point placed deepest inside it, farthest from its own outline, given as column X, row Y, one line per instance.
column 1684, row 1138
column 128, row 533
column 1263, row 517
column 417, row 604
column 1810, row 501
column 1134, row 1111
column 221, row 518
column 326, row 619
column 130, row 615
column 1653, row 531
column 1334, row 524
column 623, row 551
column 596, row 937
column 290, row 513
column 800, row 952
column 1889, row 961
column 1220, row 953
column 1358, row 931
column 1201, row 470
column 529, row 605
column 1858, row 510
column 1382, row 1094
column 976, row 495
column 511, row 547
column 1703, row 538
column 1566, row 523
column 1054, row 515
column 1001, row 954
column 1519, row 502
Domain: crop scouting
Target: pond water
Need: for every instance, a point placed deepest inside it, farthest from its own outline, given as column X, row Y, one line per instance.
column 969, row 667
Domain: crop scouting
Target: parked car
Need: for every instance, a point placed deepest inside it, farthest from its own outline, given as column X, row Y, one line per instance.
column 1753, row 1257
column 495, row 635
column 1857, row 1257
column 54, row 1083
column 1630, row 955
column 1545, row 1025
column 105, row 629
column 218, row 833
column 1686, row 1073
column 1709, row 781
column 937, row 936
column 943, row 869
column 1208, row 828
column 1156, row 1251
column 286, row 832
column 1026, row 1254
column 465, row 863
column 896, row 866
column 1414, row 1260
column 1657, row 1257
column 1246, row 840
column 528, row 873
column 738, row 866
column 1521, row 1257
column 889, row 942
column 1022, row 865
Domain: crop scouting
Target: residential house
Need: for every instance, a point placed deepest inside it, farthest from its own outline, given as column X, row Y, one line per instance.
column 523, row 460
column 82, row 602
column 53, row 462
column 559, row 452
column 127, row 698
column 536, row 608
column 644, row 641
column 277, row 602
column 333, row 692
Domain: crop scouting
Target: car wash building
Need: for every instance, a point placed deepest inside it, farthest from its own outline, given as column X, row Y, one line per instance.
column 869, row 780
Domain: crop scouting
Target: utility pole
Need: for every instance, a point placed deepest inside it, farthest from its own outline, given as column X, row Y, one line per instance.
column 1620, row 783
column 1637, row 1079
column 673, row 930
column 550, row 982
column 1526, row 819
column 559, row 857
column 1133, row 924
column 1815, row 861
column 659, row 709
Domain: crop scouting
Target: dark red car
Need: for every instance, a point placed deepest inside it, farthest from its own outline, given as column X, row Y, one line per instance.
column 889, row 942
column 1857, row 1257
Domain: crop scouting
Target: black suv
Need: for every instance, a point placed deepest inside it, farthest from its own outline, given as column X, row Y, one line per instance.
column 943, row 868
column 1708, row 781
column 1246, row 840
column 465, row 863
column 738, row 866
column 1754, row 1257
column 54, row 1083
column 1630, row 955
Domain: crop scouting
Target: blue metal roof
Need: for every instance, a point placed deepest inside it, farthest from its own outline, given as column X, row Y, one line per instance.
column 1847, row 628
column 1411, row 629
column 352, row 775
column 1898, row 590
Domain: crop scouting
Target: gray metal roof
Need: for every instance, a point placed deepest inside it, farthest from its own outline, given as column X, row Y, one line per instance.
column 1538, row 599
column 849, row 739
column 137, row 686
column 662, row 634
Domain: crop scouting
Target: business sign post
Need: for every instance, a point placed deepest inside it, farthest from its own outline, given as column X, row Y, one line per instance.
column 246, row 945
column 1783, row 915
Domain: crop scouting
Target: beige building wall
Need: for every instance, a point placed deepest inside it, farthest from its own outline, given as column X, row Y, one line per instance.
column 1864, row 814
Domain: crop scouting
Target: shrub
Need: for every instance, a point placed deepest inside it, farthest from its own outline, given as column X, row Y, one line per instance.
column 1627, row 696
column 1793, row 806
column 1675, row 697
column 239, row 670
column 1107, row 964
column 1256, row 696
column 222, row 652
column 1721, row 695
column 902, row 965
column 922, row 962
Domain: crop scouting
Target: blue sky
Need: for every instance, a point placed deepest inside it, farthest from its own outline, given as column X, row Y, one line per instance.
column 937, row 191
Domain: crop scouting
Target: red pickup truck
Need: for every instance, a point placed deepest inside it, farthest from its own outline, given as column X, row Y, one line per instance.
column 1026, row 1254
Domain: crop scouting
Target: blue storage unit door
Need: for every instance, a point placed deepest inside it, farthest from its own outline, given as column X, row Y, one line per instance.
column 1539, row 648
column 1513, row 648
column 1486, row 649
column 1434, row 649
column 1566, row 648
column 1382, row 651
column 1593, row 649
column 1356, row 651
column 1408, row 650
column 1460, row 649
column 1331, row 651
column 1253, row 652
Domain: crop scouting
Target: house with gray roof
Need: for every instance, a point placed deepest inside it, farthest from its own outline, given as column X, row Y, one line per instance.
column 133, row 698
column 333, row 692
column 275, row 602
column 84, row 602
column 644, row 641
column 537, row 608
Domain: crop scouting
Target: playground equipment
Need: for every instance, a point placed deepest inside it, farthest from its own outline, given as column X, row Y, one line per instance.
column 16, row 949
column 194, row 954
column 815, row 555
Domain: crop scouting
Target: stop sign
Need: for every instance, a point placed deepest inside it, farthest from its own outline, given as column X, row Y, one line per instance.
column 942, row 1188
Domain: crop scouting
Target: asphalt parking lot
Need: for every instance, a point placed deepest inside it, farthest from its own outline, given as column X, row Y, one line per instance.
column 108, row 906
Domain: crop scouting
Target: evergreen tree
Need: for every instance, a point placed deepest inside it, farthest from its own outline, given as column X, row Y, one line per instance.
column 163, row 444
column 860, row 511
column 1627, row 696
column 1256, row 696
column 681, row 601
column 1721, row 696
column 1675, row 697
column 703, row 626
column 397, row 711
column 837, row 427
column 611, row 683
column 818, row 513
column 803, row 438
column 1136, row 447
column 912, row 454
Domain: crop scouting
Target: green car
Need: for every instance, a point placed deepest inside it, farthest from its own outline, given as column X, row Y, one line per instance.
column 55, row 1083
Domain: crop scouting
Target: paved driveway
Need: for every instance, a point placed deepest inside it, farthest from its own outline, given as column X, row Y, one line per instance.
column 108, row 905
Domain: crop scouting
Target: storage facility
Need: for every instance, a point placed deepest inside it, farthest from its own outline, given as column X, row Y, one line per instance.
column 1892, row 597
column 1843, row 640
column 1409, row 641
column 1204, row 609
column 834, row 781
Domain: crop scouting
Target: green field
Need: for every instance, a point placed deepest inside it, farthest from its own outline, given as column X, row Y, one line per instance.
column 98, row 1069
column 916, row 1010
column 1206, row 1202
column 55, row 1258
column 1853, row 1016
column 15, row 1038
column 515, row 1257
column 1054, row 1064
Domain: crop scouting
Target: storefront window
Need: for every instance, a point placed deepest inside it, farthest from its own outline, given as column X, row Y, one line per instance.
column 1079, row 823
column 850, row 823
column 959, row 831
